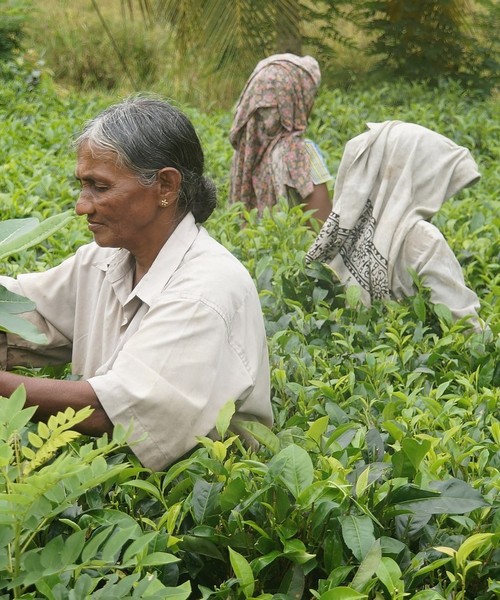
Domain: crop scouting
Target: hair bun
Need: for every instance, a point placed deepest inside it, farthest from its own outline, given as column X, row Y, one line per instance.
column 204, row 200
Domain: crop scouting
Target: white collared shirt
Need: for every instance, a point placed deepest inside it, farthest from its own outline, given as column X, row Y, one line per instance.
column 165, row 355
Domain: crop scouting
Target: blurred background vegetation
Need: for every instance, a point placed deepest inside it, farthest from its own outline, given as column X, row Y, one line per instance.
column 200, row 52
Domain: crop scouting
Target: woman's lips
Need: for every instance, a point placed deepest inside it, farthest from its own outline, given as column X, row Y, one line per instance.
column 94, row 226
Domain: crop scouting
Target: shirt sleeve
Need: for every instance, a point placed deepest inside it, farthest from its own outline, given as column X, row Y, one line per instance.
column 319, row 170
column 176, row 372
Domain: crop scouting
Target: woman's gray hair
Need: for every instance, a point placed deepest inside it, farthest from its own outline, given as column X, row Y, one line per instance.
column 148, row 134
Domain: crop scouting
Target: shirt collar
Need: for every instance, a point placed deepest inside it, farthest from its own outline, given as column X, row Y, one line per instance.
column 168, row 260
column 119, row 264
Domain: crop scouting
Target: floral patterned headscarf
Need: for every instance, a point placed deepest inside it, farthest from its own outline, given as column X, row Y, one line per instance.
column 273, row 110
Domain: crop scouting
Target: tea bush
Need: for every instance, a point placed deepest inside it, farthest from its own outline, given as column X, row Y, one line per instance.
column 13, row 15
column 380, row 478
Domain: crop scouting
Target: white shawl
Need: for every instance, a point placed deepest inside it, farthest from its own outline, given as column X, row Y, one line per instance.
column 390, row 178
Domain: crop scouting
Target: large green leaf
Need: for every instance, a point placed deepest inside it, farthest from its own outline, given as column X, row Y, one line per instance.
column 389, row 574
column 180, row 592
column 456, row 497
column 358, row 534
column 292, row 583
column 243, row 572
column 13, row 303
column 17, row 237
column 201, row 546
column 158, row 558
column 19, row 326
column 10, row 229
column 261, row 433
column 367, row 568
column 428, row 595
column 205, row 500
column 342, row 593
column 407, row 460
column 408, row 493
column 293, row 467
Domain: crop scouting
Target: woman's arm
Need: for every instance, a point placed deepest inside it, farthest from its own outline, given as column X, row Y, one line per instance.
column 51, row 396
column 319, row 201
column 427, row 252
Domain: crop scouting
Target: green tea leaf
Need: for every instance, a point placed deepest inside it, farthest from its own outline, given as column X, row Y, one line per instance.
column 261, row 433
column 224, row 418
column 205, row 500
column 243, row 572
column 114, row 544
column 146, row 486
column 342, row 593
column 91, row 548
column 367, row 568
column 181, row 592
column 138, row 545
column 353, row 296
column 389, row 574
column 358, row 534
column 428, row 595
column 419, row 308
column 318, row 428
column 293, row 467
column 158, row 558
column 477, row 541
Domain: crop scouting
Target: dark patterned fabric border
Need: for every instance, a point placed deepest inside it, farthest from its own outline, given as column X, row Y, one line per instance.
column 357, row 250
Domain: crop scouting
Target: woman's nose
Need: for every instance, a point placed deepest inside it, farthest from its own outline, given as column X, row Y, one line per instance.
column 84, row 204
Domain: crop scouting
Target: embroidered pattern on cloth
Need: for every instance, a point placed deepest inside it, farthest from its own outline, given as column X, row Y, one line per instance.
column 357, row 250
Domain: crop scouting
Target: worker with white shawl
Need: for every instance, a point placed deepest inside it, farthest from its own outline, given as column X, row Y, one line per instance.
column 391, row 180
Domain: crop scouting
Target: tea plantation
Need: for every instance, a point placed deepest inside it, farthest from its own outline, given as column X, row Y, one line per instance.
column 381, row 476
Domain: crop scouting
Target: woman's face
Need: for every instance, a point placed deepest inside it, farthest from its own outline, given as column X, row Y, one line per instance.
column 121, row 213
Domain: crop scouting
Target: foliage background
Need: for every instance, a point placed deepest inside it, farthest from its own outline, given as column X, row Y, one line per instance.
column 201, row 51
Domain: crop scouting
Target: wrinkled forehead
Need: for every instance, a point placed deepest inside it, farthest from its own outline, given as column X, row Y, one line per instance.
column 93, row 160
column 90, row 150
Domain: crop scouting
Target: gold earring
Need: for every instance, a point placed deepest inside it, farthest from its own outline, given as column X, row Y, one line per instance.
column 164, row 202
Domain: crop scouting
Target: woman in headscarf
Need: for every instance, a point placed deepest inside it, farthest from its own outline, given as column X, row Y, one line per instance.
column 272, row 158
column 392, row 179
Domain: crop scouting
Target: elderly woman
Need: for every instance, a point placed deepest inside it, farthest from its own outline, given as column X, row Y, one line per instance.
column 272, row 158
column 162, row 324
column 391, row 180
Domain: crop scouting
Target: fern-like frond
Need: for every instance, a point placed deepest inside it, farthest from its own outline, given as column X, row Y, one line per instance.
column 49, row 449
column 51, row 436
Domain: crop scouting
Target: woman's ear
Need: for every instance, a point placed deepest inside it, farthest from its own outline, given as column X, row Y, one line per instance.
column 170, row 181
